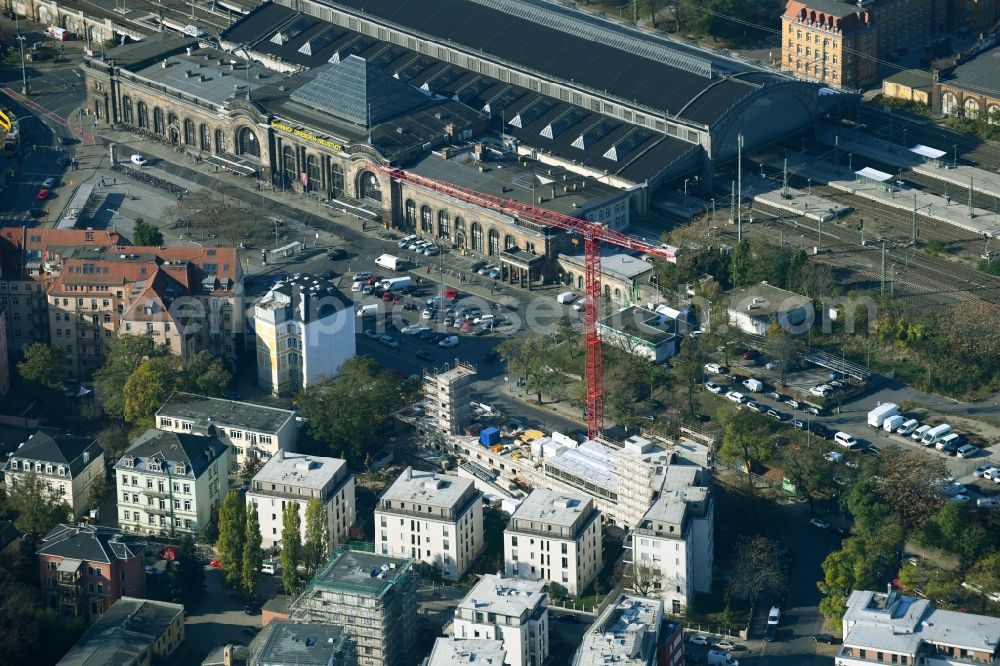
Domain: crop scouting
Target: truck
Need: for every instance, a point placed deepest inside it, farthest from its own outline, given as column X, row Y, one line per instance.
column 892, row 423
column 400, row 284
column 877, row 416
column 389, row 261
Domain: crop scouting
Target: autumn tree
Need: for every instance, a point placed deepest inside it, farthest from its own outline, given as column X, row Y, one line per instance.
column 784, row 347
column 251, row 465
column 689, row 370
column 908, row 485
column 124, row 355
column 206, row 375
column 291, row 547
column 148, row 387
column 37, row 508
column 642, row 579
column 252, row 555
column 759, row 567
column 746, row 438
column 529, row 356
column 314, row 551
column 43, row 367
column 805, row 467
column 232, row 537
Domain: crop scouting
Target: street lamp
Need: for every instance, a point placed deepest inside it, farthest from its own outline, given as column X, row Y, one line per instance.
column 24, row 76
column 954, row 159
column 686, row 180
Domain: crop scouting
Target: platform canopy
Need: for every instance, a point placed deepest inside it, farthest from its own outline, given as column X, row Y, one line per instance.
column 927, row 151
column 874, row 174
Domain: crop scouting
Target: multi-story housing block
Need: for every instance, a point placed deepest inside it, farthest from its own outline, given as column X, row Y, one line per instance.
column 676, row 536
column 554, row 537
column 294, row 477
column 4, row 353
column 626, row 633
column 830, row 41
column 249, row 429
column 512, row 610
column 69, row 465
column 284, row 643
column 372, row 597
column 85, row 569
column 892, row 628
column 305, row 331
column 436, row 518
column 135, row 632
column 168, row 483
column 451, row 651
column 447, row 397
column 29, row 260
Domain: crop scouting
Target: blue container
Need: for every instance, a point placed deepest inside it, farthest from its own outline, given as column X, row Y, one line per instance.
column 489, row 436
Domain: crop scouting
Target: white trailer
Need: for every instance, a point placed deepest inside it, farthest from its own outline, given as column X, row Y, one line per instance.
column 877, row 416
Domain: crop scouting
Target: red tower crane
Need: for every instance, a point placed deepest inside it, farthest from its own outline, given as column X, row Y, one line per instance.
column 593, row 235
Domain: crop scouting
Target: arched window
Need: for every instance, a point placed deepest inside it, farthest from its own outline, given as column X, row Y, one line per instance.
column 171, row 118
column 607, row 291
column 410, row 212
column 288, row 165
column 158, row 125
column 246, row 143
column 477, row 237
column 189, row 136
column 949, row 103
column 220, row 141
column 509, row 242
column 579, row 282
column 460, row 239
column 336, row 181
column 494, row 247
column 312, row 170
column 127, row 110
column 618, row 294
column 143, row 113
column 425, row 219
column 459, row 224
column 444, row 224
column 971, row 108
column 993, row 114
column 205, row 135
column 368, row 186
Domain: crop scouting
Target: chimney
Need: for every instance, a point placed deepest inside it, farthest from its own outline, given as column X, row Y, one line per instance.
column 408, row 473
column 188, row 50
column 281, row 454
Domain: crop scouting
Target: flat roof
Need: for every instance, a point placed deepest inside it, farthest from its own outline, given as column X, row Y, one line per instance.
column 912, row 78
column 124, row 633
column 772, row 300
column 504, row 596
column 304, row 644
column 615, row 261
column 362, row 572
column 625, row 633
column 980, row 74
column 551, row 507
column 322, row 299
column 298, row 470
column 451, row 651
column 428, row 488
column 634, row 321
column 205, row 409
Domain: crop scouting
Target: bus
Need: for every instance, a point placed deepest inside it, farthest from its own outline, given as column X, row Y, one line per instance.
column 12, row 142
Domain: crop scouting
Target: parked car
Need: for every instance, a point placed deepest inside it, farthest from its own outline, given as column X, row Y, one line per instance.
column 725, row 645
column 757, row 407
column 736, row 397
column 809, row 409
column 772, row 365
column 816, row 522
column 829, row 639
column 138, row 160
column 49, row 182
column 980, row 471
column 424, row 356
column 774, row 395
column 406, row 240
column 389, row 341
column 363, row 276
column 988, row 502
column 793, row 403
column 775, row 414
column 713, row 387
column 449, row 341
column 43, row 194
column 698, row 639
column 823, row 390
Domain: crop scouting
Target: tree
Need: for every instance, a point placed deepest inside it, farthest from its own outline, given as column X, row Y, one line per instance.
column 689, row 370
column 641, row 579
column 114, row 441
column 746, row 439
column 38, row 509
column 291, row 547
column 348, row 413
column 148, row 388
column 232, row 535
column 252, row 554
column 784, row 347
column 175, row 583
column 758, row 567
column 844, row 570
column 43, row 367
column 251, row 465
column 529, row 356
column 985, row 574
column 805, row 467
column 625, row 385
column 314, row 551
column 740, row 264
column 146, row 234
column 125, row 354
column 98, row 489
column 206, row 375
column 908, row 485
column 953, row 528
column 191, row 572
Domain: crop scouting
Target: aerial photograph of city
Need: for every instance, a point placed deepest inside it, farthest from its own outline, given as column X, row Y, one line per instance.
column 499, row 332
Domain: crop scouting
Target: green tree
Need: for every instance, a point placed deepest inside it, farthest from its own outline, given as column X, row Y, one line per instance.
column 37, row 508
column 232, row 535
column 746, row 438
column 689, row 370
column 125, row 354
column 317, row 537
column 205, row 375
column 529, row 356
column 291, row 547
column 148, row 388
column 192, row 574
column 174, row 581
column 252, row 554
column 348, row 413
column 845, row 570
column 741, row 265
column 626, row 385
column 43, row 367
column 805, row 467
column 955, row 529
column 146, row 234
column 985, row 573
column 641, row 579
column 251, row 465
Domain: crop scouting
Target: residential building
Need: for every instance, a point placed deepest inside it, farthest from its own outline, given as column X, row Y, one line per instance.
column 69, row 465
column 249, row 429
column 285, row 643
column 168, row 483
column 134, row 632
column 295, row 477
column 626, row 276
column 626, row 632
column 641, row 332
column 510, row 610
column 553, row 536
column 451, row 651
column 670, row 644
column 754, row 309
column 676, row 536
column 448, row 397
column 372, row 597
column 189, row 299
column 4, row 353
column 305, row 331
column 832, row 42
column 85, row 569
column 892, row 628
column 434, row 518
column 29, row 259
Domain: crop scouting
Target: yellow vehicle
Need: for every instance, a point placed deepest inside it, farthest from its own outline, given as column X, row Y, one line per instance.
column 531, row 435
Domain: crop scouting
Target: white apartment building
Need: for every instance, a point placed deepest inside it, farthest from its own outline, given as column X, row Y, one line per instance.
column 627, row 633
column 305, row 331
column 168, row 483
column 68, row 465
column 295, row 477
column 676, row 536
column 249, row 429
column 553, row 536
column 451, row 651
column 891, row 628
column 512, row 610
column 435, row 518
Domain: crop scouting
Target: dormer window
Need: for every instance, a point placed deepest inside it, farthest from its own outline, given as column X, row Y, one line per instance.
column 13, row 464
column 129, row 461
column 181, row 469
column 62, row 470
column 48, row 469
column 154, row 465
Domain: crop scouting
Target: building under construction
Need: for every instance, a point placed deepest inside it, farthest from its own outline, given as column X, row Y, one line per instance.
column 373, row 597
column 448, row 397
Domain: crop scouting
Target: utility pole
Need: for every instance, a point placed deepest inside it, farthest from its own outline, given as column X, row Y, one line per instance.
column 882, row 286
column 739, row 185
column 732, row 204
column 850, row 162
column 784, row 180
column 836, row 148
column 913, row 239
column 819, row 231
column 862, row 226
column 972, row 213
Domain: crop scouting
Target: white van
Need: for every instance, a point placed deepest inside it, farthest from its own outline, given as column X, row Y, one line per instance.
column 951, row 441
column 918, row 434
column 566, row 297
column 935, row 434
column 845, row 440
column 753, row 385
column 967, row 451
column 389, row 261
column 908, row 427
column 893, row 422
column 369, row 311
column 719, row 658
column 270, row 567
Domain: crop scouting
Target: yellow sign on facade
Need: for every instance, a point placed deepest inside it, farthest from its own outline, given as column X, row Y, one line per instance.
column 307, row 136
